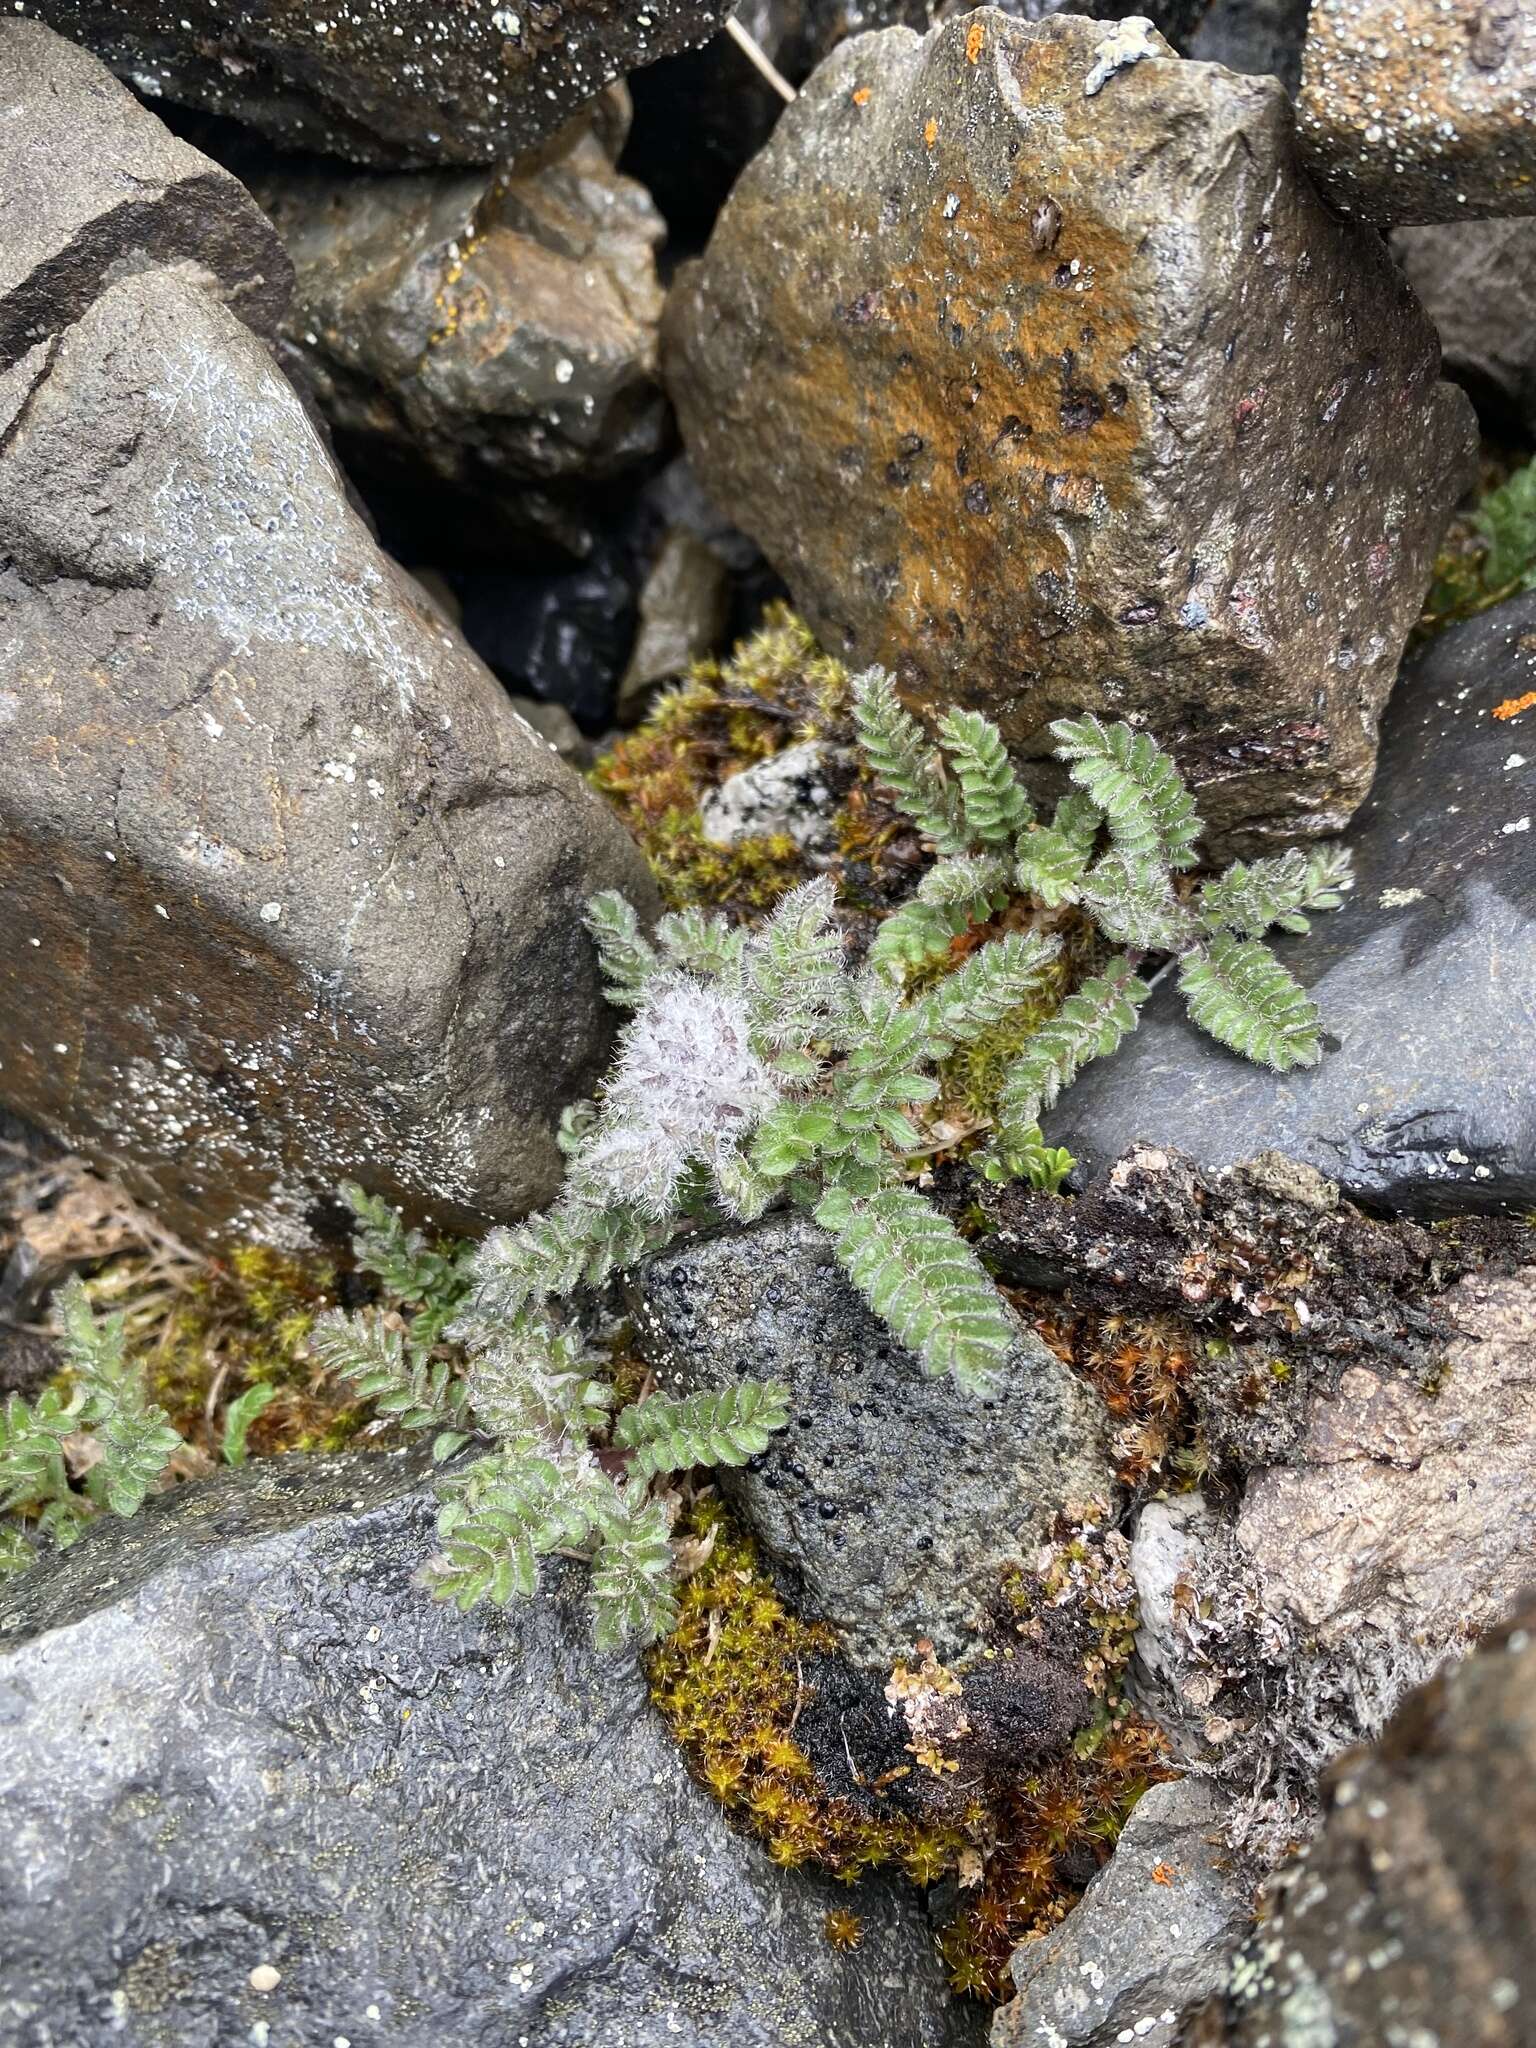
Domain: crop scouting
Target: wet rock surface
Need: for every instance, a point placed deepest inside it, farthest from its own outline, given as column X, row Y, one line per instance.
column 395, row 82
column 970, row 311
column 295, row 893
column 112, row 191
column 892, row 1504
column 1418, row 111
column 1148, row 1941
column 1424, row 978
column 1477, row 282
column 482, row 343
column 1410, row 1914
column 384, row 1819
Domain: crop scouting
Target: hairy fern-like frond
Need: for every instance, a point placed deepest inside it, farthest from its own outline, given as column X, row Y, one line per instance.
column 410, row 1388
column 1280, row 890
column 1134, row 906
column 1237, row 991
column 794, row 973
column 903, row 757
column 626, row 956
column 983, row 990
column 700, row 944
column 1090, row 1023
column 915, row 933
column 994, row 805
column 1150, row 814
column 632, row 1592
column 724, row 1428
column 923, row 1280
column 134, row 1437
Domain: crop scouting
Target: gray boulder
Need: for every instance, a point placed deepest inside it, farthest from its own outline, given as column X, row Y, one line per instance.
column 1412, row 110
column 398, row 82
column 1425, row 1099
column 892, row 1504
column 1149, row 1939
column 292, row 892
column 93, row 188
column 1263, row 37
column 1409, row 1919
column 483, row 342
column 997, row 350
column 258, row 1786
column 1477, row 282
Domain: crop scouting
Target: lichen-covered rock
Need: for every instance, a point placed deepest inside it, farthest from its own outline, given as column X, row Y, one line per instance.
column 788, row 793
column 292, row 893
column 482, row 343
column 1149, row 1939
column 1424, row 1101
column 1421, row 110
column 892, row 1503
column 1040, row 372
column 1477, row 282
column 1408, row 1920
column 392, row 82
column 93, row 188
column 257, row 1785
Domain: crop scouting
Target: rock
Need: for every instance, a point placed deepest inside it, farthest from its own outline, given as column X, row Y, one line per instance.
column 685, row 603
column 1477, row 282
column 398, row 83
column 1012, row 389
column 27, row 1361
column 559, row 635
column 1257, row 36
column 295, row 894
column 1409, row 1917
column 482, row 343
column 256, row 1781
column 93, row 189
column 1149, row 1940
column 1411, row 1513
column 1172, row 1540
column 1413, row 111
column 891, row 1503
column 787, row 793
column 1426, row 978
column 1279, row 1632
column 554, row 725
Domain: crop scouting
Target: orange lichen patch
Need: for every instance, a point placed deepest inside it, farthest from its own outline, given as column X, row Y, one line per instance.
column 1164, row 1873
column 1513, row 706
column 930, row 131
column 975, row 40
column 861, row 96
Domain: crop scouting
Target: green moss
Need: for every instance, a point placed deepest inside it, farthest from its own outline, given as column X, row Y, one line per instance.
column 1489, row 552
column 730, row 1684
column 233, row 1323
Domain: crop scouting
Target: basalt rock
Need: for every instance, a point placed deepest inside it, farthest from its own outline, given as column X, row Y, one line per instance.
column 1477, row 282
column 92, row 188
column 1424, row 1102
column 1040, row 372
column 1409, row 1917
column 381, row 1819
column 892, row 1504
column 483, row 344
column 292, row 893
column 396, row 82
column 1413, row 110
column 1149, row 1939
